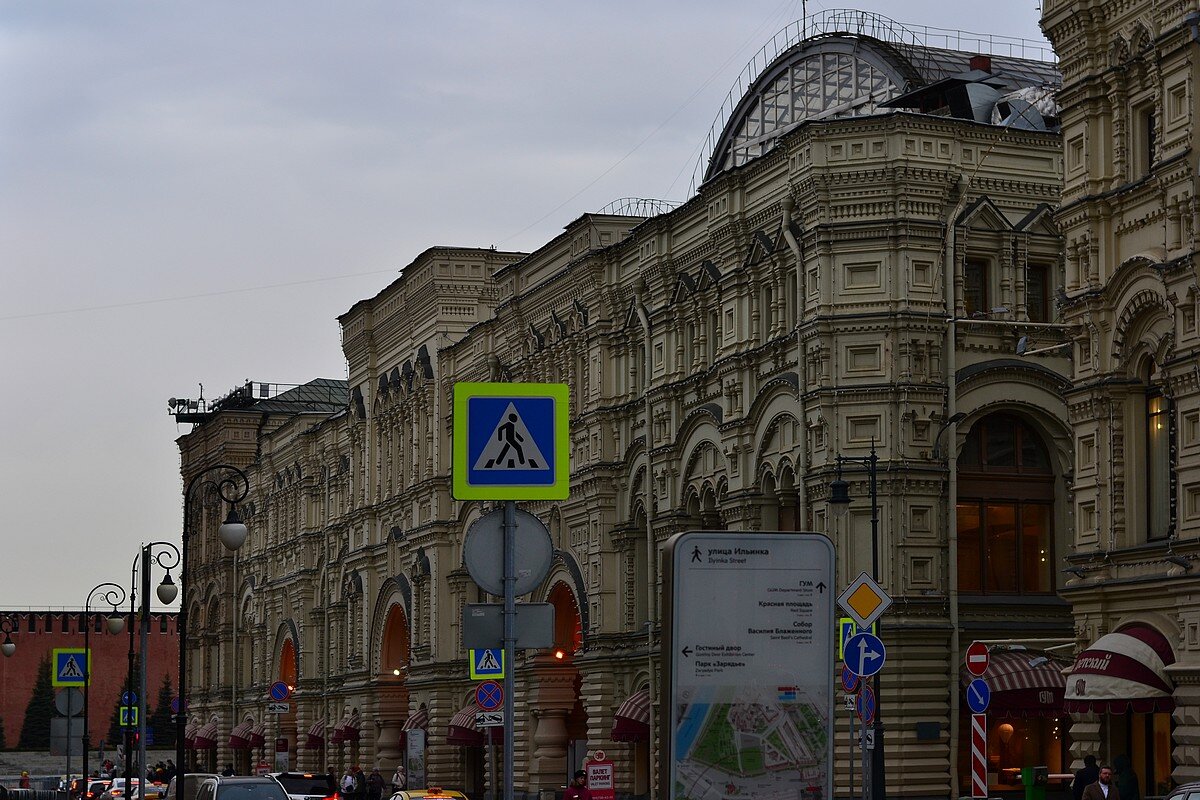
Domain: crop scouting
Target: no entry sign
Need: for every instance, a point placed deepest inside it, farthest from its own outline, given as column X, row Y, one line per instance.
column 977, row 658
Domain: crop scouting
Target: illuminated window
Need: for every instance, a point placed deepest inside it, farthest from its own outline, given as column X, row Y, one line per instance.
column 1159, row 477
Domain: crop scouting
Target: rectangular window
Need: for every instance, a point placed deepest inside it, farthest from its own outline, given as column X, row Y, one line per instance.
column 1158, row 466
column 975, row 287
column 1000, row 552
column 1037, row 293
column 1142, row 141
column 970, row 548
column 1004, row 548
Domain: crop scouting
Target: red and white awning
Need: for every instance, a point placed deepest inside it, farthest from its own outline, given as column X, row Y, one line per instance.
column 239, row 737
column 464, row 732
column 189, row 735
column 206, row 737
column 1122, row 671
column 258, row 736
column 315, row 738
column 631, row 723
column 418, row 720
column 1024, row 683
column 347, row 730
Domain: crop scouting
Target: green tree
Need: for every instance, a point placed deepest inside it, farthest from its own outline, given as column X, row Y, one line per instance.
column 160, row 719
column 35, row 731
column 3, row 741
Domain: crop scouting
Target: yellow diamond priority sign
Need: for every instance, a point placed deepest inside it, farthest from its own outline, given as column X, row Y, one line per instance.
column 864, row 600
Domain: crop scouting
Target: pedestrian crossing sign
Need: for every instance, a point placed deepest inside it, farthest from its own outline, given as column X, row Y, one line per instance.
column 487, row 664
column 69, row 667
column 511, row 441
column 129, row 717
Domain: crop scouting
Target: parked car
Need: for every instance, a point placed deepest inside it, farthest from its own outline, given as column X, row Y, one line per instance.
column 307, row 785
column 97, row 787
column 117, row 789
column 428, row 794
column 262, row 787
column 194, row 781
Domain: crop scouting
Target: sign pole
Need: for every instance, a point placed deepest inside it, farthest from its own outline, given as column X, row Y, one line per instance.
column 510, row 639
column 852, row 759
column 69, row 743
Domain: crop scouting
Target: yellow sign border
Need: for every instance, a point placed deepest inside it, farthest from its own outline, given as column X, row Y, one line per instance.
column 489, row 676
column 560, row 489
column 54, row 680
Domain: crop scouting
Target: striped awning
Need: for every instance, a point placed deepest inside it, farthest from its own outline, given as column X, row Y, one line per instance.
column 258, row 736
column 189, row 735
column 239, row 737
column 463, row 731
column 1123, row 671
column 206, row 737
column 315, row 738
column 418, row 720
column 347, row 730
column 1023, row 682
column 631, row 723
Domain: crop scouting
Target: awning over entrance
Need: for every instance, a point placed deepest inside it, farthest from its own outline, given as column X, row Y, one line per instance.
column 1024, row 683
column 463, row 731
column 631, row 723
column 417, row 721
column 189, row 735
column 315, row 738
column 206, row 737
column 258, row 736
column 1122, row 671
column 347, row 729
column 239, row 737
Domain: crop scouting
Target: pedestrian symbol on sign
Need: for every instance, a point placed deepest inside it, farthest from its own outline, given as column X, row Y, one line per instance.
column 487, row 664
column 71, row 669
column 511, row 446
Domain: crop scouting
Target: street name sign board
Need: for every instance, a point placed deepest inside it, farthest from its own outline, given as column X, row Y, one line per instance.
column 765, row 660
column 978, row 658
column 489, row 719
column 979, row 696
column 483, row 625
column 69, row 666
column 486, row 664
column 280, row 691
column 511, row 441
column 864, row 600
column 278, row 708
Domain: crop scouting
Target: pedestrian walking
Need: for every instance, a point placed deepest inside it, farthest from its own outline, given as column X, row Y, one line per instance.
column 375, row 785
column 1087, row 775
column 24, row 783
column 347, row 784
column 1126, row 779
column 1103, row 788
column 399, row 779
column 360, row 783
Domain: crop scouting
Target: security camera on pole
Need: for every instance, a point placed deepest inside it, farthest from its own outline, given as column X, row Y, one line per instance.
column 511, row 442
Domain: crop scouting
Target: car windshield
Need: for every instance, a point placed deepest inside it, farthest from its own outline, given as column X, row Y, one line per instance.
column 251, row 791
column 307, row 784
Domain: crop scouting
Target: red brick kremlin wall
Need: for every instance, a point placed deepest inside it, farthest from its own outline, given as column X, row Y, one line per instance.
column 38, row 633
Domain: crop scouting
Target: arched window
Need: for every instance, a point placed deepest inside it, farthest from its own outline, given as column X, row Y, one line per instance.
column 1005, row 510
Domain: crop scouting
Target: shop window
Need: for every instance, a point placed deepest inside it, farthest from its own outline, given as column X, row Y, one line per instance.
column 1160, row 479
column 1005, row 511
column 1037, row 293
column 975, row 287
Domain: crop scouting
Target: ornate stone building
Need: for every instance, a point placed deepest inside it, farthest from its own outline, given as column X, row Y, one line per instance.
column 872, row 235
column 1130, row 220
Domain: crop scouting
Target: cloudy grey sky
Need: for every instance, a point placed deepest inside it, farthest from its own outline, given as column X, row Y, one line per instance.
column 192, row 192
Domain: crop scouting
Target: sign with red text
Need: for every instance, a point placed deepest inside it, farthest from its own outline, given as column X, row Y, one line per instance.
column 601, row 780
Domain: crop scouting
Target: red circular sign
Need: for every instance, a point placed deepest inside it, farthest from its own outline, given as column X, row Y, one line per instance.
column 977, row 658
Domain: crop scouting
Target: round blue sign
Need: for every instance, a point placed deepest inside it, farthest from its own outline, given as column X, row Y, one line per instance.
column 280, row 691
column 979, row 696
column 129, row 699
column 865, row 704
column 864, row 654
column 489, row 695
column 175, row 705
column 849, row 680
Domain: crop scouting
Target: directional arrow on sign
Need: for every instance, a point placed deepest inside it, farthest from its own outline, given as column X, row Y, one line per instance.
column 687, row 651
column 821, row 587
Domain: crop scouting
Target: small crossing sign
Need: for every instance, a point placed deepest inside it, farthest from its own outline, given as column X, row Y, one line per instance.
column 129, row 716
column 70, row 667
column 487, row 664
column 511, row 441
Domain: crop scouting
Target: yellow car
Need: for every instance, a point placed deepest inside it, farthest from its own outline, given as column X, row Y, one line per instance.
column 432, row 793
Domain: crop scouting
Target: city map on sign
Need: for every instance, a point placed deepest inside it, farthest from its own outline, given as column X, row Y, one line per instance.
column 752, row 687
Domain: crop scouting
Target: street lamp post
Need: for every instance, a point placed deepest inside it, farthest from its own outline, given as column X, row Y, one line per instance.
column 232, row 486
column 168, row 558
column 839, row 500
column 114, row 595
column 7, row 627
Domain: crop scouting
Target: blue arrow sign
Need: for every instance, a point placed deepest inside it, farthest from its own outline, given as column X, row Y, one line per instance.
column 865, row 654
column 979, row 696
column 864, row 704
column 129, row 699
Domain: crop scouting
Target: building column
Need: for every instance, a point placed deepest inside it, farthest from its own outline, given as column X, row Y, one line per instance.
column 1185, row 739
column 391, row 711
column 1087, row 738
column 551, row 698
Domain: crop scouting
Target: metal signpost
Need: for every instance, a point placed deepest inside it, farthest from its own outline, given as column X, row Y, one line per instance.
column 763, row 663
column 979, row 696
column 511, row 442
column 865, row 601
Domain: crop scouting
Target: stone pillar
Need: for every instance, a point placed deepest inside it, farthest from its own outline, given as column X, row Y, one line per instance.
column 1086, row 739
column 552, row 696
column 1185, row 739
column 391, row 712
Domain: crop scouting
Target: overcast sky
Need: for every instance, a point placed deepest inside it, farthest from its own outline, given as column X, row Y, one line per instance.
column 192, row 192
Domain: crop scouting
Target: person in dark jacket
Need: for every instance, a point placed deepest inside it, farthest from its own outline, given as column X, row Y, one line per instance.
column 1126, row 779
column 374, row 785
column 1089, row 774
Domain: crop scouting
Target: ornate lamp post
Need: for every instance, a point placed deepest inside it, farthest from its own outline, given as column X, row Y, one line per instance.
column 7, row 627
column 167, row 557
column 113, row 595
column 232, row 486
column 839, row 502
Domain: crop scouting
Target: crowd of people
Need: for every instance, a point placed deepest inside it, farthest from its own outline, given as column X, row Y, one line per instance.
column 1095, row 781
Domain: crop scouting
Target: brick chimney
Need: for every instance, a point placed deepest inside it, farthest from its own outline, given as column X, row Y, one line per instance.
column 983, row 63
